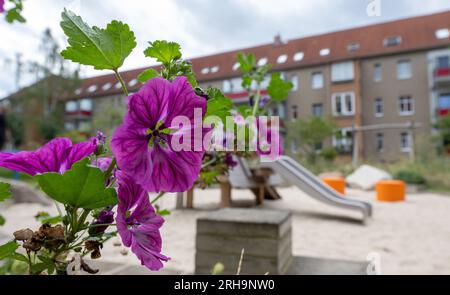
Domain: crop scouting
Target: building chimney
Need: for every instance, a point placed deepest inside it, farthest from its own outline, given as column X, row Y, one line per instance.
column 277, row 41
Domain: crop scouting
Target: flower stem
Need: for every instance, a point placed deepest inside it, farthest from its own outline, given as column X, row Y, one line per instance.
column 124, row 87
column 159, row 196
column 110, row 169
column 257, row 99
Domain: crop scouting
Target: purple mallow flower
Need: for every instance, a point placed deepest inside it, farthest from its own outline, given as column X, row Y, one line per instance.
column 229, row 160
column 58, row 155
column 2, row 8
column 142, row 144
column 138, row 224
column 104, row 218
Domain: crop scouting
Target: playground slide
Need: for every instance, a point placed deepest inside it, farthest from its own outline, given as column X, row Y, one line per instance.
column 314, row 187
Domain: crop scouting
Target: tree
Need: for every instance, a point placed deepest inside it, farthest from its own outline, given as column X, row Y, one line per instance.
column 443, row 125
column 308, row 134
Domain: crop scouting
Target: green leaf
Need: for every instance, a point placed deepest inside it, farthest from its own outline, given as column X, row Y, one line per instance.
column 246, row 62
column 104, row 49
column 81, row 187
column 6, row 250
column 218, row 104
column 18, row 256
column 278, row 88
column 164, row 212
column 244, row 110
column 164, row 52
column 5, row 192
column 147, row 75
column 44, row 217
column 2, row 220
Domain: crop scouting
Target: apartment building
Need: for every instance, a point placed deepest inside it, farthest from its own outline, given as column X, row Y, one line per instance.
column 375, row 81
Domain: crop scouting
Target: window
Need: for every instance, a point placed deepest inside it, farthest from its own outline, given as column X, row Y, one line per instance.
column 405, row 141
column 299, row 56
column 294, row 112
column 377, row 73
column 379, row 107
column 353, row 47
column 443, row 33
column 317, row 80
column 317, row 110
column 404, row 69
column 205, row 71
column 69, row 126
column 107, row 86
column 71, row 106
column 392, row 41
column 294, row 80
column 78, row 91
column 443, row 62
column 92, row 88
column 343, row 103
column 380, row 142
column 236, row 85
column 236, row 66
column 282, row 59
column 342, row 71
column 262, row 61
column 214, row 69
column 86, row 104
column 444, row 101
column 118, row 85
column 405, row 105
column 132, row 82
column 343, row 141
column 227, row 87
column 324, row 52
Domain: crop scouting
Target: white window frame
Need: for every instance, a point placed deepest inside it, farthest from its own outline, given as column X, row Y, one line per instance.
column 68, row 107
column 403, row 76
column 375, row 104
column 227, row 86
column 295, row 82
column 344, row 111
column 342, row 71
column 407, row 148
column 376, row 67
column 406, row 113
column 313, row 74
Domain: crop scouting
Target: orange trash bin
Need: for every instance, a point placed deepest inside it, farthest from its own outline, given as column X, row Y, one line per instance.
column 390, row 190
column 337, row 183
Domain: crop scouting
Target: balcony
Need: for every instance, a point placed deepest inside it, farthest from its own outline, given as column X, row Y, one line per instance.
column 441, row 112
column 442, row 76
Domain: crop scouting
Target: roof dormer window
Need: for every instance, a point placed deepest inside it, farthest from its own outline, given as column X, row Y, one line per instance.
column 92, row 88
column 132, row 82
column 392, row 41
column 214, row 69
column 106, row 86
column 282, row 59
column 324, row 52
column 205, row 71
column 443, row 33
column 353, row 47
column 236, row 66
column 262, row 61
column 299, row 56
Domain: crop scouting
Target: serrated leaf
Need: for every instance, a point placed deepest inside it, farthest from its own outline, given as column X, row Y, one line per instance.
column 164, row 52
column 218, row 104
column 104, row 49
column 44, row 217
column 278, row 88
column 246, row 62
column 81, row 187
column 147, row 75
column 6, row 250
column 5, row 191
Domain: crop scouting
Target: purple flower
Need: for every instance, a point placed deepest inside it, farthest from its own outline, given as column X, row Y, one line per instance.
column 269, row 142
column 101, row 137
column 102, row 163
column 2, row 3
column 105, row 216
column 138, row 224
column 58, row 155
column 229, row 161
column 142, row 145
column 264, row 100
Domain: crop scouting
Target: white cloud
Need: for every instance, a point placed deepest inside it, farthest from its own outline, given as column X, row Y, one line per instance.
column 200, row 26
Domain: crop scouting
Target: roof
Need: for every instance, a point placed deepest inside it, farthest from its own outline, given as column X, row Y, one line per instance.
column 416, row 33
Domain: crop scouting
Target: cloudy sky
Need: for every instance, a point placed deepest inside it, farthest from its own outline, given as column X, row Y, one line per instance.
column 201, row 26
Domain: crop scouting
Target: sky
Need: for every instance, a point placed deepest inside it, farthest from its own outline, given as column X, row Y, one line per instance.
column 202, row 27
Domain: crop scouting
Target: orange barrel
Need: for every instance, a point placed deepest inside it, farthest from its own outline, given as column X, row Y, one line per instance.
column 338, row 183
column 391, row 190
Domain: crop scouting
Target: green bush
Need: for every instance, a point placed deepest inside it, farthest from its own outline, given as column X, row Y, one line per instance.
column 329, row 154
column 411, row 177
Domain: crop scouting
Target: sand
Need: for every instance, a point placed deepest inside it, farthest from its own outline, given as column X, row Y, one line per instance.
column 411, row 237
